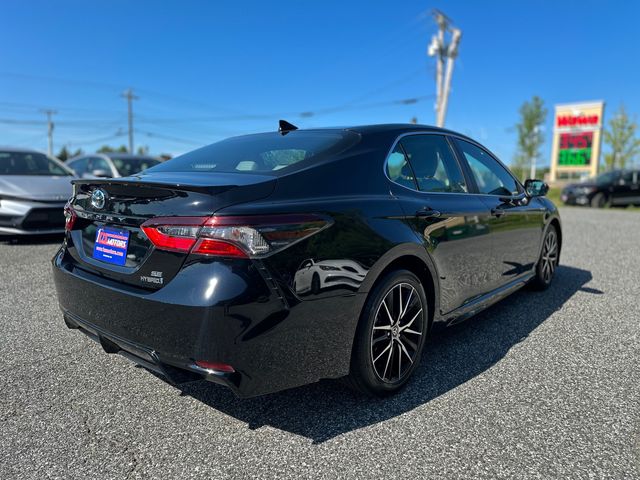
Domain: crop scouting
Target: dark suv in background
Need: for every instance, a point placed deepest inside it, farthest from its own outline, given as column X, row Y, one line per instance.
column 617, row 187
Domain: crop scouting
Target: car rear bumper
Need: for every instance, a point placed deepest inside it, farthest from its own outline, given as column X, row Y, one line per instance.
column 29, row 217
column 215, row 311
column 141, row 355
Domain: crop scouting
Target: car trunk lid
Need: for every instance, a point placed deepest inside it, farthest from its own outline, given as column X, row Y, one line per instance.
column 128, row 202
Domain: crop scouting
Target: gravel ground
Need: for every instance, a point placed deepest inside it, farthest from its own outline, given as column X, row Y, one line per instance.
column 543, row 385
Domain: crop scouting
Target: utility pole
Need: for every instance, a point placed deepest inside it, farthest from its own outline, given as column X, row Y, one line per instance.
column 49, row 113
column 128, row 94
column 441, row 50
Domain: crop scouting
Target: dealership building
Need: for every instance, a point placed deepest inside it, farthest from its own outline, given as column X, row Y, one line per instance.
column 577, row 138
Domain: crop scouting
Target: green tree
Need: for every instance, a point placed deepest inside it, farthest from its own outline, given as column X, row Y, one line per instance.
column 65, row 154
column 532, row 116
column 622, row 141
column 143, row 150
column 110, row 149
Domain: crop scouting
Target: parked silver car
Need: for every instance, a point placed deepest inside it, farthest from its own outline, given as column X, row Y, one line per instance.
column 108, row 165
column 33, row 191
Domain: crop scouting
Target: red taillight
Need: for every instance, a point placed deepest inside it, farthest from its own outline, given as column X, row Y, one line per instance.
column 209, row 246
column 69, row 217
column 250, row 236
column 166, row 241
column 176, row 234
column 218, row 366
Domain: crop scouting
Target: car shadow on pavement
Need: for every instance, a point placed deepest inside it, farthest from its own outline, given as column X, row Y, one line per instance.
column 326, row 409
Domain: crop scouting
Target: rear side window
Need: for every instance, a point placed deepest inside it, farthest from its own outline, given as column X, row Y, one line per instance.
column 264, row 153
column 491, row 177
column 399, row 170
column 433, row 164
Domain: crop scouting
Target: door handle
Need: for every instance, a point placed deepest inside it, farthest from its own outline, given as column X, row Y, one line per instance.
column 427, row 212
column 497, row 212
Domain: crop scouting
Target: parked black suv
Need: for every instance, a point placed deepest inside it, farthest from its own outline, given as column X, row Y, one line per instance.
column 617, row 187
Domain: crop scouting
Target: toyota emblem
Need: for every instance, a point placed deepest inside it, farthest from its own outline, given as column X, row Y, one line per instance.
column 98, row 199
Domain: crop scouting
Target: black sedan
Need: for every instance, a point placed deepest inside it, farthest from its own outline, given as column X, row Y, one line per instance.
column 614, row 188
column 193, row 268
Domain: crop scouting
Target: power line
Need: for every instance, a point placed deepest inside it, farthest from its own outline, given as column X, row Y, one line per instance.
column 171, row 138
column 233, row 116
column 269, row 116
column 29, row 107
column 99, row 140
column 29, row 140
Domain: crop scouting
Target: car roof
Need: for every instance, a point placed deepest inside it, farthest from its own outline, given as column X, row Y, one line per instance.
column 390, row 128
column 18, row 149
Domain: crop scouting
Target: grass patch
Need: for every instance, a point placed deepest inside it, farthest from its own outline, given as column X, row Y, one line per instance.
column 554, row 196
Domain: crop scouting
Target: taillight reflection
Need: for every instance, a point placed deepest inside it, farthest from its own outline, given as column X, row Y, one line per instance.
column 70, row 217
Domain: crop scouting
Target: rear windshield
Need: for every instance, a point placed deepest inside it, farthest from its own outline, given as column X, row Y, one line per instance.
column 130, row 166
column 29, row 163
column 262, row 153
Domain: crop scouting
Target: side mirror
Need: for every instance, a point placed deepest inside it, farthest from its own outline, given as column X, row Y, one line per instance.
column 536, row 188
column 100, row 173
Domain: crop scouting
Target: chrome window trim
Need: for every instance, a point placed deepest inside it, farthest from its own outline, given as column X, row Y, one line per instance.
column 465, row 139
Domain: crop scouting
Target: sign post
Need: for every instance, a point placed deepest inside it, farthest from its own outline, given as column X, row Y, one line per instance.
column 577, row 136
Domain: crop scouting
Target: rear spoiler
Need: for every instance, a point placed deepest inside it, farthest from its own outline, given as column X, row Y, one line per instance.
column 187, row 181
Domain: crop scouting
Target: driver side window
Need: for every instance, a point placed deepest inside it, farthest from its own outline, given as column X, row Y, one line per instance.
column 490, row 176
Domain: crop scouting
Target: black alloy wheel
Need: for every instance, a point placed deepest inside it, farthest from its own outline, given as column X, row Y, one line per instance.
column 391, row 335
column 548, row 259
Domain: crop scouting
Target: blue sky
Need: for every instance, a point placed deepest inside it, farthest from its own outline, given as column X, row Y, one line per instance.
column 205, row 70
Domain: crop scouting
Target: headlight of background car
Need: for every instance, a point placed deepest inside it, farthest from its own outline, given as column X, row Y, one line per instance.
column 586, row 190
column 327, row 267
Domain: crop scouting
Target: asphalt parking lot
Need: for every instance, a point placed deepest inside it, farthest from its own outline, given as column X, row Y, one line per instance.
column 543, row 385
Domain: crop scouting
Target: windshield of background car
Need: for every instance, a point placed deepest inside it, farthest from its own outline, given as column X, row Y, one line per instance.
column 131, row 166
column 29, row 163
column 264, row 153
column 606, row 178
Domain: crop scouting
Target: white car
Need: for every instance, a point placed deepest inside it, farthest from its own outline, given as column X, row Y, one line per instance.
column 110, row 165
column 33, row 191
column 312, row 276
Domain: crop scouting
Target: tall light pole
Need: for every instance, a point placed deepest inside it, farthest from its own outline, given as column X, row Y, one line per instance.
column 128, row 94
column 441, row 50
column 49, row 113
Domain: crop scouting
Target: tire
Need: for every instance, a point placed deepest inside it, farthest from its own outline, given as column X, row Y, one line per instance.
column 315, row 284
column 389, row 343
column 548, row 261
column 599, row 200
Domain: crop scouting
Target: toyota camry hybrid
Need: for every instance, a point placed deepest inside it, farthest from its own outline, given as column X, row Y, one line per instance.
column 268, row 261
